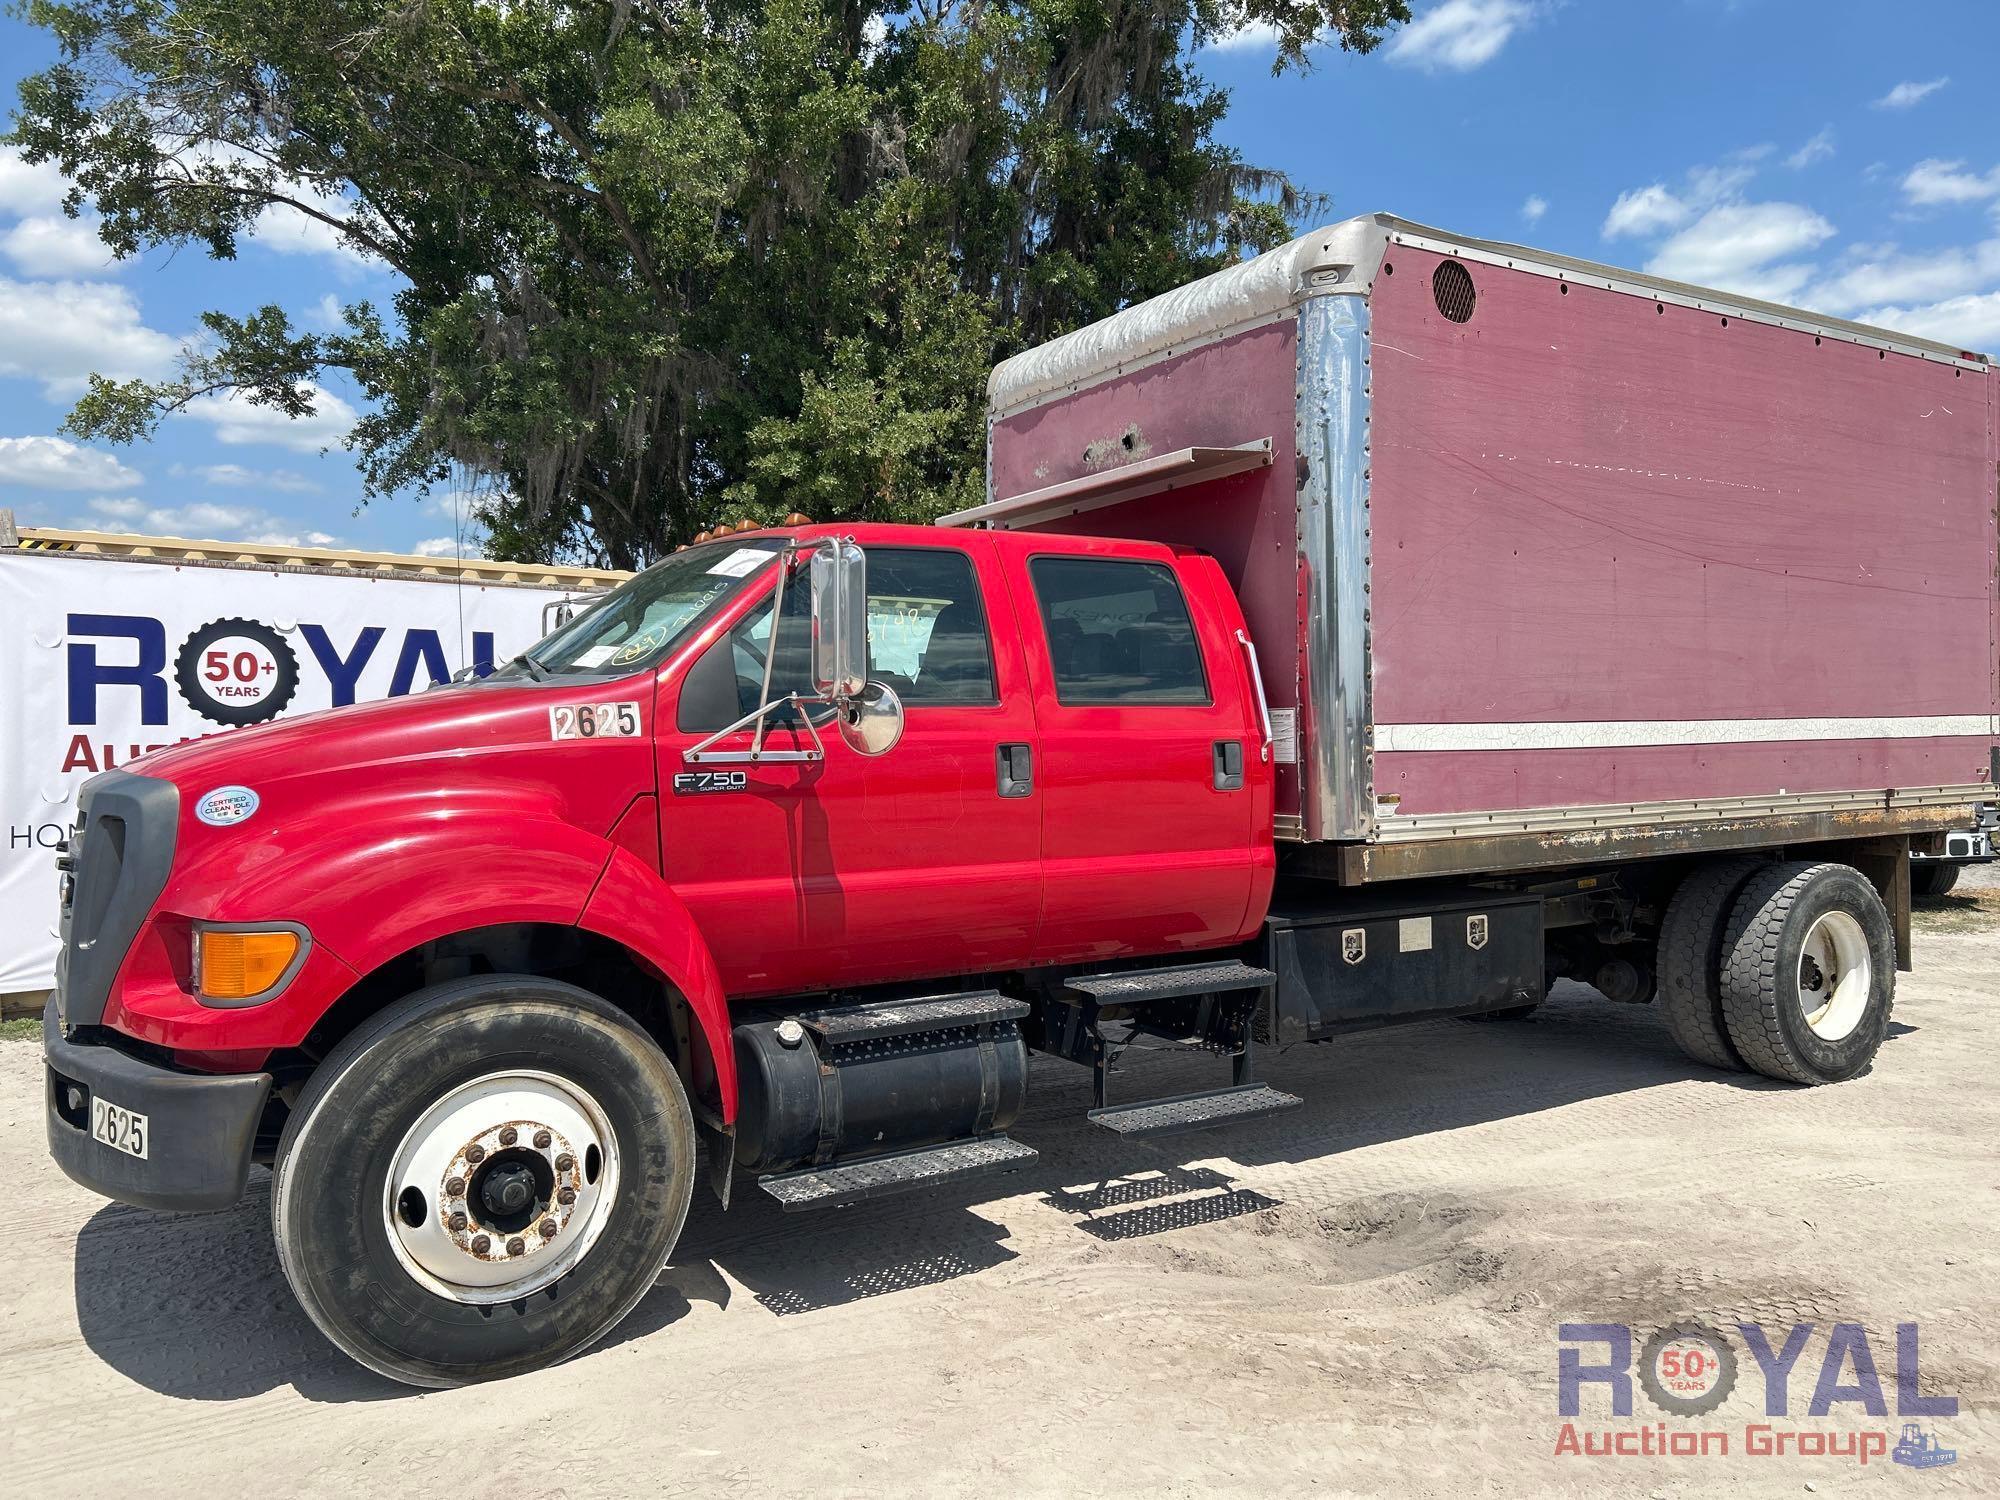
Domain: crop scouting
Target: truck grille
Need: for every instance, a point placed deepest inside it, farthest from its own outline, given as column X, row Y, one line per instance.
column 113, row 869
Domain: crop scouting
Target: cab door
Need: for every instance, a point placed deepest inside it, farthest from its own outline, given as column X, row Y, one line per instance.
column 851, row 870
column 1151, row 768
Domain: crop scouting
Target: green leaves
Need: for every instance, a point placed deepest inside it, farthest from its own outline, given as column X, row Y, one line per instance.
column 659, row 266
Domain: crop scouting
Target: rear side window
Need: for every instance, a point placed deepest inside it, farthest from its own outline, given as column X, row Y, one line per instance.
column 927, row 627
column 1118, row 632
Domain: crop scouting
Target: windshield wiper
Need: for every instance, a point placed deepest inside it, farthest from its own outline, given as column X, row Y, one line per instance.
column 533, row 668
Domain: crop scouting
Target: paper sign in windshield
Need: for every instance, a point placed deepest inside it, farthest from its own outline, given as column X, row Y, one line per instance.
column 741, row 562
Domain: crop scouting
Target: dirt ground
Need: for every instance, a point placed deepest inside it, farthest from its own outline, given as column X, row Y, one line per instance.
column 1362, row 1296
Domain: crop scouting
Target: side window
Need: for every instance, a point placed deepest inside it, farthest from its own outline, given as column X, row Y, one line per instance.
column 728, row 681
column 1118, row 632
column 927, row 634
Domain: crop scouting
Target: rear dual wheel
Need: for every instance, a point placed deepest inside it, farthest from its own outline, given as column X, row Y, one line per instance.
column 1808, row 972
column 1788, row 970
column 482, row 1180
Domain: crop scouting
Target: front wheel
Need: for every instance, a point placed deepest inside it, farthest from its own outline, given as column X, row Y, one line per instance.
column 482, row 1180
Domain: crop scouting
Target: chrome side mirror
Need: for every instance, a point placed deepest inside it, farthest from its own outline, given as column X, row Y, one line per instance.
column 839, row 619
column 556, row 614
column 871, row 722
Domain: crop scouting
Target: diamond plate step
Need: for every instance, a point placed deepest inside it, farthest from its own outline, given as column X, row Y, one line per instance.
column 1195, row 1111
column 1139, row 986
column 831, row 1187
column 863, row 1023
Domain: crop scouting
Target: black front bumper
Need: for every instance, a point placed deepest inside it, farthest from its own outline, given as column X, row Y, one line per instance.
column 200, row 1126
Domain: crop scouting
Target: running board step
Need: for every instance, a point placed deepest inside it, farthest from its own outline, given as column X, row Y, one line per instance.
column 1141, row 986
column 878, row 1176
column 867, row 1023
column 1246, row 1101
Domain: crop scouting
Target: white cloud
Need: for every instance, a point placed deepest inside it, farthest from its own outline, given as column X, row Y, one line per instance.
column 1459, row 35
column 1257, row 36
column 1819, row 148
column 446, row 546
column 53, row 463
column 1644, row 211
column 59, row 332
column 236, row 476
column 26, row 190
column 237, row 420
column 1745, row 248
column 1970, row 322
column 1877, row 275
column 56, row 245
column 1933, row 182
column 201, row 521
column 1534, row 208
column 1904, row 95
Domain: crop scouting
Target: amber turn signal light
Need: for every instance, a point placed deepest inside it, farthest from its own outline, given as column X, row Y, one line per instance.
column 242, row 965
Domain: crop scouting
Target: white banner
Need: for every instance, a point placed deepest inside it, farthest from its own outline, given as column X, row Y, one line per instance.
column 102, row 659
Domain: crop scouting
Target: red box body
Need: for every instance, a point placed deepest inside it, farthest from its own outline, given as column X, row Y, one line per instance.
column 1625, row 543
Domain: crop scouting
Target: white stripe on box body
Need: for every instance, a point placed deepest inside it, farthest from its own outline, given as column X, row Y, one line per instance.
column 1611, row 734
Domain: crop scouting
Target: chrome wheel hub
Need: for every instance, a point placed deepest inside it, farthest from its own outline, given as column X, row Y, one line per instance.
column 501, row 1187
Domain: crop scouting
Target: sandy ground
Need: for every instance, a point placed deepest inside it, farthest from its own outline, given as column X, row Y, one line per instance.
column 1360, row 1297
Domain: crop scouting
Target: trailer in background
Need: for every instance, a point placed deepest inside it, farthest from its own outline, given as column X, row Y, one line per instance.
column 113, row 645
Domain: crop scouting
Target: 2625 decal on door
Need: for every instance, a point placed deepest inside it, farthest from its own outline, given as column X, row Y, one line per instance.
column 593, row 721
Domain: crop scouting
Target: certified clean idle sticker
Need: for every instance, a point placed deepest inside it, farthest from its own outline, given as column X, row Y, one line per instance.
column 226, row 805
column 236, row 672
column 594, row 721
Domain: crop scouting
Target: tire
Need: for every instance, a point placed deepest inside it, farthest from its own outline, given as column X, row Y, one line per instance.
column 1690, row 962
column 471, row 1045
column 1930, row 878
column 1802, row 933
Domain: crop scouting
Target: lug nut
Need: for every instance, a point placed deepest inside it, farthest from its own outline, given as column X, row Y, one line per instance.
column 565, row 1162
column 509, row 1135
column 475, row 1154
column 542, row 1139
column 566, row 1197
column 516, row 1245
column 454, row 1187
column 481, row 1244
column 457, row 1222
column 547, row 1228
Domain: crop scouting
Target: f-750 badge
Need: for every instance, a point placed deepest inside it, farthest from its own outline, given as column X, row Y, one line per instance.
column 594, row 721
column 693, row 783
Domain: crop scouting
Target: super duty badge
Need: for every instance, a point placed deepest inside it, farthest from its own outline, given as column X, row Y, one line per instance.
column 693, row 783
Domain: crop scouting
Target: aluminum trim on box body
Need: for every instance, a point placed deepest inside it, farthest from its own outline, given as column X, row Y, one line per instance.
column 1407, row 828
column 1615, row 733
column 1347, row 255
column 1333, row 417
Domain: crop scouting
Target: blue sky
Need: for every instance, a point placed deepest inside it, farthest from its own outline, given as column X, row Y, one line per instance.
column 1811, row 151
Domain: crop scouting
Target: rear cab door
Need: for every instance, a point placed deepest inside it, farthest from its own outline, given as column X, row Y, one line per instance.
column 1153, row 767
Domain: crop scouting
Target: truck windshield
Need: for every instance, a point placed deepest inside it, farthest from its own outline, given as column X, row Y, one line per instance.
column 640, row 621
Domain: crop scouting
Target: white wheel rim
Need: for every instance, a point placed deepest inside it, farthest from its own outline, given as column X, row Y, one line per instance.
column 532, row 1128
column 1836, row 976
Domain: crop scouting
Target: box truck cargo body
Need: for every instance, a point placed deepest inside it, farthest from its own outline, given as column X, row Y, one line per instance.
column 1546, row 560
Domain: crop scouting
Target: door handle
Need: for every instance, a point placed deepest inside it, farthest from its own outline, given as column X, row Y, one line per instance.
column 1016, row 770
column 1228, row 765
column 1257, row 684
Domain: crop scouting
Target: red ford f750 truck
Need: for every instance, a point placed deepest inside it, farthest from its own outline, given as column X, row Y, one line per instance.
column 1376, row 630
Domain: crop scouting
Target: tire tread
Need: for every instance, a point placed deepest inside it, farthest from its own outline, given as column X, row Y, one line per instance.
column 1689, row 961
